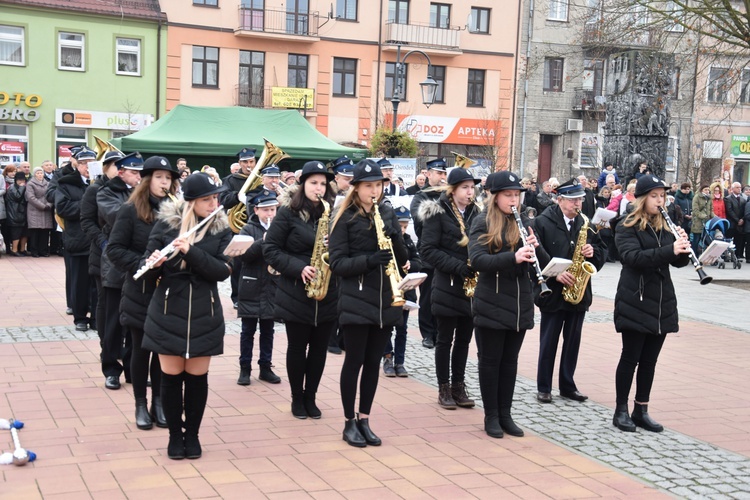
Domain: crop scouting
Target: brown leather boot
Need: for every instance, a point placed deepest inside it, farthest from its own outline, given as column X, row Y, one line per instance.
column 458, row 391
column 445, row 399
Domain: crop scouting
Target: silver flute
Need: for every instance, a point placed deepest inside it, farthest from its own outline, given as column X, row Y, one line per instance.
column 170, row 248
column 524, row 237
column 697, row 264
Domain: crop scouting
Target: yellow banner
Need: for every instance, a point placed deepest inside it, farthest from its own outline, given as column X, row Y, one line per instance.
column 291, row 97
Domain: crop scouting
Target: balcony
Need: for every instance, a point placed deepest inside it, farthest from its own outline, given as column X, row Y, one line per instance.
column 601, row 35
column 278, row 24
column 432, row 40
column 587, row 100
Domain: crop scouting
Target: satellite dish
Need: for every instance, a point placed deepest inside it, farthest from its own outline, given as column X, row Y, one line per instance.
column 469, row 22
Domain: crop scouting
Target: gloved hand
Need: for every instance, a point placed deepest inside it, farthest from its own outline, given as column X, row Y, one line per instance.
column 242, row 197
column 466, row 271
column 379, row 258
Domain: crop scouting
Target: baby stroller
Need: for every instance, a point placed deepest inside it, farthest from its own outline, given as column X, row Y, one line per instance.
column 716, row 229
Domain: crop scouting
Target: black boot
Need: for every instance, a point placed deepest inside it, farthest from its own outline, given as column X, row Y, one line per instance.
column 352, row 435
column 171, row 397
column 462, row 399
column 492, row 424
column 311, row 408
column 244, row 378
column 508, row 425
column 196, row 395
column 622, row 420
column 142, row 418
column 363, row 424
column 267, row 375
column 157, row 412
column 444, row 397
column 642, row 419
column 298, row 406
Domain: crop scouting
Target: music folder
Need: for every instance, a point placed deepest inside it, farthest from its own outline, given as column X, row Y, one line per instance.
column 239, row 245
column 411, row 281
column 714, row 251
column 556, row 266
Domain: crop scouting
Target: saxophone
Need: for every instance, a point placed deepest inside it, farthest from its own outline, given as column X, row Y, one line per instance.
column 580, row 268
column 470, row 282
column 385, row 243
column 317, row 288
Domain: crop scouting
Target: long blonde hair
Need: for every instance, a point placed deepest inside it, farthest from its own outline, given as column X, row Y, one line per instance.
column 639, row 217
column 498, row 224
column 349, row 200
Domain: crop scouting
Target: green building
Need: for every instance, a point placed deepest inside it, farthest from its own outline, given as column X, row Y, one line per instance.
column 74, row 69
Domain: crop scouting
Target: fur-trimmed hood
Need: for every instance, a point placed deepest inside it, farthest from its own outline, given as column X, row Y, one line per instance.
column 171, row 213
column 436, row 206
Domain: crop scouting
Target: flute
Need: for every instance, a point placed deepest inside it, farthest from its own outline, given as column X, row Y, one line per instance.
column 704, row 278
column 524, row 237
column 170, row 248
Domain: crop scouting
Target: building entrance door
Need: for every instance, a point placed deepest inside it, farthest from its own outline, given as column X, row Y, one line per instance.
column 544, row 165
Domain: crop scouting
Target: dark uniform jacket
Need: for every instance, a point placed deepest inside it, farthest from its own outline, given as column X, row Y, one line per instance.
column 552, row 234
column 15, row 205
column 109, row 199
column 90, row 225
column 645, row 300
column 55, row 180
column 288, row 248
column 421, row 196
column 439, row 247
column 127, row 251
column 366, row 292
column 503, row 297
column 68, row 198
column 735, row 211
column 233, row 183
column 185, row 317
column 257, row 290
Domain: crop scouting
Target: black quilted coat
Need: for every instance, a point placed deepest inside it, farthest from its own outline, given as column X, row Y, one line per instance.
column 257, row 290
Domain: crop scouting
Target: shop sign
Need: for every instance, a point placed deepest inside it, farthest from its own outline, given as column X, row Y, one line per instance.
column 15, row 112
column 292, row 97
column 9, row 148
column 740, row 146
column 101, row 120
column 451, row 130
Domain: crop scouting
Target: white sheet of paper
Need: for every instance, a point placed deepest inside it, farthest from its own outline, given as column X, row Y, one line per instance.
column 556, row 266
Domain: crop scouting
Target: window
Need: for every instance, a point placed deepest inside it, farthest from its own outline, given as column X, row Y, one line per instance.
column 390, row 80
column 205, row 66
column 440, row 15
column 558, row 10
column 346, row 10
column 438, row 74
column 297, row 17
column 128, row 56
column 297, row 73
column 12, row 45
column 553, row 74
column 71, row 51
column 745, row 87
column 480, row 20
column 718, row 85
column 252, row 14
column 676, row 15
column 344, row 77
column 206, row 3
column 475, row 95
column 252, row 67
column 398, row 11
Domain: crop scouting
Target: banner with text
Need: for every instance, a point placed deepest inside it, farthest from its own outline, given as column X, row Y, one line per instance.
column 292, row 97
column 451, row 130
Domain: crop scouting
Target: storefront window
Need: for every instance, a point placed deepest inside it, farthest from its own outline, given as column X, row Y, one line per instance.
column 66, row 138
column 14, row 141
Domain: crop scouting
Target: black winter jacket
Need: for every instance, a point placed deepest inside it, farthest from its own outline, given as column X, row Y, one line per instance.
column 185, row 317
column 233, row 183
column 55, row 180
column 415, row 264
column 109, row 199
column 553, row 235
column 288, row 248
column 366, row 292
column 257, row 290
column 645, row 300
column 503, row 297
column 126, row 249
column 90, row 225
column 440, row 249
column 68, row 198
column 15, row 205
column 425, row 194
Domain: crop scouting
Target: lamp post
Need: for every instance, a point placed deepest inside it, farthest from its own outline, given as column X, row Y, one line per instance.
column 429, row 85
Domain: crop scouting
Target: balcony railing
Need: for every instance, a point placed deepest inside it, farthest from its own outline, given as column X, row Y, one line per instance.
column 607, row 36
column 278, row 22
column 587, row 100
column 422, row 36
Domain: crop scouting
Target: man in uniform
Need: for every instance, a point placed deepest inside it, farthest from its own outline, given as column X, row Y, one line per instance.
column 270, row 176
column 343, row 168
column 557, row 230
column 390, row 188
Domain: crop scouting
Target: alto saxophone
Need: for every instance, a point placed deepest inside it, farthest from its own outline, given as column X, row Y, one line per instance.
column 470, row 282
column 580, row 268
column 385, row 243
column 317, row 288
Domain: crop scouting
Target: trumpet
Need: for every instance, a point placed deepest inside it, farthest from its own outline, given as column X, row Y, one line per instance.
column 170, row 248
column 524, row 237
column 704, row 278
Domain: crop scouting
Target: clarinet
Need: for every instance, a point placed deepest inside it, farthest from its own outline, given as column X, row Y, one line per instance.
column 170, row 248
column 524, row 237
column 704, row 278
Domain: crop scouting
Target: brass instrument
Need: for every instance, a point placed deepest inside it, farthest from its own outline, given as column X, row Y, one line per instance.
column 704, row 278
column 237, row 215
column 524, row 238
column 103, row 147
column 463, row 161
column 317, row 288
column 470, row 282
column 385, row 243
column 582, row 269
column 172, row 197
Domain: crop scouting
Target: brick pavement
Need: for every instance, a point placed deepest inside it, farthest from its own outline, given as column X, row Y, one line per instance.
column 89, row 447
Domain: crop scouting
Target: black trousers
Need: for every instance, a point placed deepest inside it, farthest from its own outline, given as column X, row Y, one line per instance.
column 498, row 365
column 739, row 243
column 114, row 346
column 307, row 347
column 142, row 364
column 234, row 279
column 68, row 278
column 641, row 350
column 426, row 321
column 99, row 307
column 451, row 366
column 364, row 348
column 55, row 241
column 570, row 324
column 39, row 241
column 80, row 287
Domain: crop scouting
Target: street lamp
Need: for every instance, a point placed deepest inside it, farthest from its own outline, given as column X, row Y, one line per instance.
column 429, row 85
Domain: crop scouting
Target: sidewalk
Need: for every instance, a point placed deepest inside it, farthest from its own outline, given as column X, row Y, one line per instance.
column 88, row 445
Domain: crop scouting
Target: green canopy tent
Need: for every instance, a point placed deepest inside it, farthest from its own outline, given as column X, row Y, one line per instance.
column 214, row 136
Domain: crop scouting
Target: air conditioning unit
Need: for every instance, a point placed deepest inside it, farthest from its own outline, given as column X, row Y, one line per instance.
column 574, row 125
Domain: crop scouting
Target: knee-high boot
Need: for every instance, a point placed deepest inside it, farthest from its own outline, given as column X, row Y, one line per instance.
column 171, row 398
column 507, row 387
column 196, row 395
